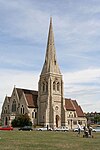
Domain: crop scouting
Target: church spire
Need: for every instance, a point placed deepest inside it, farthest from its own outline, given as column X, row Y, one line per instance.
column 50, row 65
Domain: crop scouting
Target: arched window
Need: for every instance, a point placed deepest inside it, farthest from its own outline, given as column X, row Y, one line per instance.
column 43, row 87
column 70, row 115
column 54, row 86
column 34, row 114
column 58, row 86
column 6, row 110
column 14, row 106
column 74, row 114
column 46, row 86
column 22, row 110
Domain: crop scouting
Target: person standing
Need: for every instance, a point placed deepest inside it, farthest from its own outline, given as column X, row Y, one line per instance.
column 90, row 130
column 79, row 128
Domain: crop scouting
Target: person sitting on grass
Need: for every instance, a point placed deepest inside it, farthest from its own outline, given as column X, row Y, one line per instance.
column 85, row 132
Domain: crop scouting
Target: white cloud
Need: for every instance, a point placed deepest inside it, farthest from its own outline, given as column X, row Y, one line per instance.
column 91, row 10
column 76, row 29
column 9, row 78
column 23, row 20
column 83, row 76
column 84, row 86
column 85, row 94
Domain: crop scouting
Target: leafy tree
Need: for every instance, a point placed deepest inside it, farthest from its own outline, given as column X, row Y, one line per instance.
column 21, row 120
column 97, row 119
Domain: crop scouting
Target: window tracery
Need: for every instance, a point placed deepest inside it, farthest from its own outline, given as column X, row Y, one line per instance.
column 14, row 106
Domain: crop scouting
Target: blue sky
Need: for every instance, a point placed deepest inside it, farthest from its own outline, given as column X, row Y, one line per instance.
column 23, row 38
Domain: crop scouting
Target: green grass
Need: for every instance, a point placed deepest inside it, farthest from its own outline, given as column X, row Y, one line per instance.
column 37, row 140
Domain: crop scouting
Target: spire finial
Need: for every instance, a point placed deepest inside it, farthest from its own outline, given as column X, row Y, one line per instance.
column 50, row 20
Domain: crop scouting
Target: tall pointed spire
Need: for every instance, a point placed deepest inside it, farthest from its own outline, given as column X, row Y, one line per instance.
column 50, row 65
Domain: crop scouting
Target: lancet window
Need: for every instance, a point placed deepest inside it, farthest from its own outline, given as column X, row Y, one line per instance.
column 46, row 86
column 58, row 86
column 54, row 86
column 14, row 106
column 43, row 87
column 22, row 110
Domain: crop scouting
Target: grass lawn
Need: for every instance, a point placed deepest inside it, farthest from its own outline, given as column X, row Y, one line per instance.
column 47, row 140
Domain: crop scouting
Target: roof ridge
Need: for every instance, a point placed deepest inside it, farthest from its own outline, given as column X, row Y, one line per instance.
column 73, row 103
column 27, row 89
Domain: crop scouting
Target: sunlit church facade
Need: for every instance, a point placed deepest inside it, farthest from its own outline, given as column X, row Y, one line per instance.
column 47, row 106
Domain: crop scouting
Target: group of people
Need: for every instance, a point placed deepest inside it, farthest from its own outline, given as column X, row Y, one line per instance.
column 87, row 131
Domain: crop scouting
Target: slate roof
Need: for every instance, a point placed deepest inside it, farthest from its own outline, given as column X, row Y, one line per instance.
column 72, row 105
column 69, row 104
column 31, row 96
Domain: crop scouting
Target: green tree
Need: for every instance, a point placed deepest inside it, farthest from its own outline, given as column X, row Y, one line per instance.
column 97, row 119
column 21, row 120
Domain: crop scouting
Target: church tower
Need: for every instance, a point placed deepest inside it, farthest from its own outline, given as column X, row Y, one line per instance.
column 50, row 87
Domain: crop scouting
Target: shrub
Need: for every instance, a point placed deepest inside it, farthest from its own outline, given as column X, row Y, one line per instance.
column 21, row 120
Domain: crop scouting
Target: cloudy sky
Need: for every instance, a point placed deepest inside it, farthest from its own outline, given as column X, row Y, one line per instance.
column 23, row 38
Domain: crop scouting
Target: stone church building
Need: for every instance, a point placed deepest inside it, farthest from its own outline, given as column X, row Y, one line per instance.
column 47, row 106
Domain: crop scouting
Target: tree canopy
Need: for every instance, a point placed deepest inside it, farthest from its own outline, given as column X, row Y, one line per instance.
column 21, row 121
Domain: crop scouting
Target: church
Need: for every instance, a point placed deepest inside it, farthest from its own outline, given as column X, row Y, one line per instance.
column 47, row 106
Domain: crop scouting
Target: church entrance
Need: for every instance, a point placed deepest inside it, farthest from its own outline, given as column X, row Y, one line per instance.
column 6, row 120
column 57, row 119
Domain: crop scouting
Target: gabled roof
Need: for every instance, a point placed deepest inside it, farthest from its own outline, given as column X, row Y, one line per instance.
column 32, row 100
column 78, row 109
column 19, row 91
column 72, row 105
column 31, row 96
column 69, row 105
column 8, row 99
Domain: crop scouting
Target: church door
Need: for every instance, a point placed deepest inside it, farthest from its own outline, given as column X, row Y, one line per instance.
column 57, row 119
column 6, row 120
